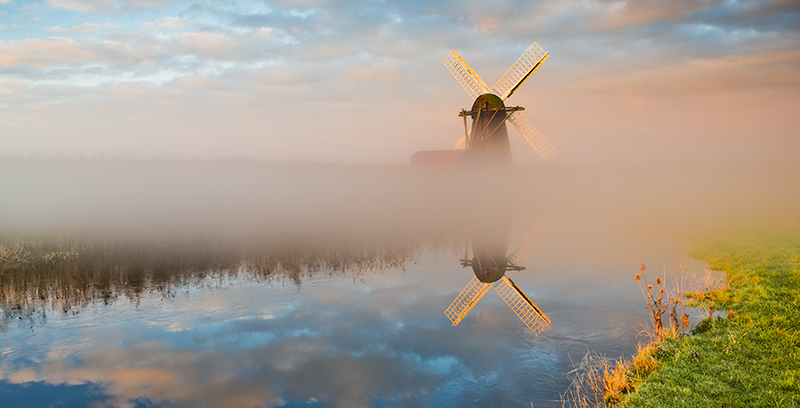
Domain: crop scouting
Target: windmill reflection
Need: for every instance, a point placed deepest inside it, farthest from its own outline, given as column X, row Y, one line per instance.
column 490, row 263
column 486, row 143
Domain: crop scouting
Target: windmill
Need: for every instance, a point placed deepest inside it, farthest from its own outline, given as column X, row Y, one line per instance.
column 490, row 263
column 488, row 132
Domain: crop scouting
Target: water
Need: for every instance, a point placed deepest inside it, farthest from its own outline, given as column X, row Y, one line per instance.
column 341, row 333
column 370, row 339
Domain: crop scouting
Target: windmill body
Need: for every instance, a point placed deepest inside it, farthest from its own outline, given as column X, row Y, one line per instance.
column 489, row 261
column 488, row 140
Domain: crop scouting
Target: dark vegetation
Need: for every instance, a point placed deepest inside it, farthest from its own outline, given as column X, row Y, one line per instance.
column 63, row 273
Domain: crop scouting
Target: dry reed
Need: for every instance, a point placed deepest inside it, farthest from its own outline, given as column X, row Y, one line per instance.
column 68, row 273
column 598, row 382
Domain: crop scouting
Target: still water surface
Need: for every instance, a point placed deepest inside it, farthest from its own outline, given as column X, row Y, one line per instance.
column 373, row 338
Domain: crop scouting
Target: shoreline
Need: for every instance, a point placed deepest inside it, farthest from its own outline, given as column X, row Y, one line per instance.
column 750, row 358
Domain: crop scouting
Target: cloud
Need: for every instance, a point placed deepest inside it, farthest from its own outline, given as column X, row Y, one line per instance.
column 486, row 23
column 59, row 51
column 350, row 40
column 83, row 28
column 166, row 23
column 706, row 76
column 621, row 14
column 104, row 6
column 218, row 46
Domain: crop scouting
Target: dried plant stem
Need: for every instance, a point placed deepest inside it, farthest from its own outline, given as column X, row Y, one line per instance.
column 655, row 303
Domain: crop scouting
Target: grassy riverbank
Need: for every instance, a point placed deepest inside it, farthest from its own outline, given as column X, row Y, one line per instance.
column 752, row 357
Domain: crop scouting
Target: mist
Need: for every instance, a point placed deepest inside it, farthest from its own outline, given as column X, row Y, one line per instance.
column 242, row 199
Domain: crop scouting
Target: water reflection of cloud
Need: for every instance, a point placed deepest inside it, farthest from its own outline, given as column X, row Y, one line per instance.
column 340, row 345
column 298, row 367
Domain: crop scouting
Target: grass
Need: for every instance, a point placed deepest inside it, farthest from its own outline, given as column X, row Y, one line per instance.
column 751, row 358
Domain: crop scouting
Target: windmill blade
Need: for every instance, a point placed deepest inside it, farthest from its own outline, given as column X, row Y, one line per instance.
column 465, row 76
column 519, row 71
column 525, row 309
column 539, row 143
column 531, row 242
column 462, row 144
column 465, row 300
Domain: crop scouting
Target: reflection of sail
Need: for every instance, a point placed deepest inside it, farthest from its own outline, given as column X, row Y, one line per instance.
column 532, row 241
column 490, row 265
column 465, row 300
column 527, row 311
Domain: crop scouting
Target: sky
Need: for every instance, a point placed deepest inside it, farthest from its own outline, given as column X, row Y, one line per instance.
column 363, row 81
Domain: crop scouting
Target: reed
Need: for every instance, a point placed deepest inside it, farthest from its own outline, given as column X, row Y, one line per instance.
column 588, row 382
column 70, row 272
column 599, row 382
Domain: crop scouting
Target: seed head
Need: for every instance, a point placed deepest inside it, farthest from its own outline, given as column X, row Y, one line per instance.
column 641, row 267
column 661, row 291
column 658, row 280
column 649, row 287
column 638, row 277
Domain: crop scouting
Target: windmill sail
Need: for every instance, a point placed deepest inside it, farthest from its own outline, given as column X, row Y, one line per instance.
column 465, row 76
column 525, row 309
column 520, row 71
column 536, row 140
column 465, row 300
column 532, row 241
column 462, row 144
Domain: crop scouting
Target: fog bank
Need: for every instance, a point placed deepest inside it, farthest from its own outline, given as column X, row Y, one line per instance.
column 242, row 199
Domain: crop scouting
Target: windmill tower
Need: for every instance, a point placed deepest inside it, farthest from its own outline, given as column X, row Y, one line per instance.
column 488, row 134
column 489, row 263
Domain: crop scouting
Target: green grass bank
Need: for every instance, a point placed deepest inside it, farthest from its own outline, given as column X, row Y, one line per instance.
column 752, row 357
